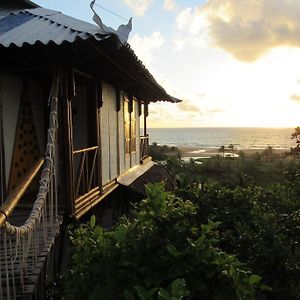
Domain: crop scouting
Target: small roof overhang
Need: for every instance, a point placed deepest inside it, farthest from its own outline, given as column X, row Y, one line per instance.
column 137, row 177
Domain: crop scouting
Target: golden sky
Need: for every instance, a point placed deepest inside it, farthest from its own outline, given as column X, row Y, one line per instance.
column 233, row 62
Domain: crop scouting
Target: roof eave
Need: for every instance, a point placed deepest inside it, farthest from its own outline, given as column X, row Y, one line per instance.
column 28, row 2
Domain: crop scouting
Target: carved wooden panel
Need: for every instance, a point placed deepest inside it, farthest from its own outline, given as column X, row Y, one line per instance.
column 26, row 147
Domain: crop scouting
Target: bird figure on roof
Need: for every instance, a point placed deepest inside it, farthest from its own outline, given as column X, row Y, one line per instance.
column 122, row 32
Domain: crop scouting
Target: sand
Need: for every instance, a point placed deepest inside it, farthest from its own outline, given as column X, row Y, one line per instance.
column 208, row 152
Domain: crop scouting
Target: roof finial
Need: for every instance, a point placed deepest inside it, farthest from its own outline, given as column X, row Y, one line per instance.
column 122, row 32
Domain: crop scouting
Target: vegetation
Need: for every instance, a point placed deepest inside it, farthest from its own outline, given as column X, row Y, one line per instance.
column 164, row 152
column 295, row 151
column 259, row 225
column 230, row 231
column 230, row 148
column 161, row 252
column 256, row 199
column 261, row 169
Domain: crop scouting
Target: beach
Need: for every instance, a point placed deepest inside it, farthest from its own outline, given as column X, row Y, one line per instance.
column 205, row 142
column 200, row 152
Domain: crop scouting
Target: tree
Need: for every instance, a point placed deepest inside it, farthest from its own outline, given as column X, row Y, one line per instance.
column 296, row 136
column 230, row 147
column 269, row 152
column 222, row 149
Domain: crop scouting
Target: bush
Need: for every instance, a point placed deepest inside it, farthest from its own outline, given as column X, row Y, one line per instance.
column 161, row 153
column 259, row 225
column 160, row 253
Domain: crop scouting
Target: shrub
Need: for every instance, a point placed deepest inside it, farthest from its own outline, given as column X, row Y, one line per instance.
column 259, row 225
column 160, row 253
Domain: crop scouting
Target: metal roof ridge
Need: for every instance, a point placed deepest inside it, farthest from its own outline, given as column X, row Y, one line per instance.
column 29, row 2
column 33, row 11
column 67, row 21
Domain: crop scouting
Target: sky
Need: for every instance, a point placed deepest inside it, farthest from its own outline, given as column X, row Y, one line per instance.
column 234, row 63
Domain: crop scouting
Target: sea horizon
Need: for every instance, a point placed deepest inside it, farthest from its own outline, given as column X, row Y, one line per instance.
column 215, row 137
column 254, row 127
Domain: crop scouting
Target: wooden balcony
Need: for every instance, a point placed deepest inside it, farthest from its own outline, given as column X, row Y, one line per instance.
column 86, row 178
column 144, row 147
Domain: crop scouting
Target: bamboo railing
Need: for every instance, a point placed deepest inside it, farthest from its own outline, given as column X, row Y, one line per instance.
column 87, row 175
column 14, row 198
column 144, row 146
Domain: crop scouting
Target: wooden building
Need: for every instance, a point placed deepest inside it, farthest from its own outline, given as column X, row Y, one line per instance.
column 78, row 93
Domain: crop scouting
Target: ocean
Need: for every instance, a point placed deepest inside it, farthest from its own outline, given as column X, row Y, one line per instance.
column 241, row 138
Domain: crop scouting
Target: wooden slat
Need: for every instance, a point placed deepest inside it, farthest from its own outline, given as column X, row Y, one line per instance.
column 90, row 204
column 85, row 150
column 83, row 200
column 34, row 267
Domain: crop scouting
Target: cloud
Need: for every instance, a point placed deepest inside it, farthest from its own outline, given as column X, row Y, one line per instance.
column 170, row 5
column 201, row 95
column 245, row 29
column 145, row 46
column 295, row 98
column 139, row 7
column 185, row 113
column 187, row 106
column 215, row 111
column 191, row 21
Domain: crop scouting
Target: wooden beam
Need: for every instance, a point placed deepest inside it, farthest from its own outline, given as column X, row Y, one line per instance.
column 21, row 69
column 99, row 101
column 130, row 104
column 146, row 112
column 140, row 107
column 83, row 74
column 13, row 199
column 118, row 99
column 118, row 104
column 86, row 59
column 2, row 153
column 71, row 85
column 99, row 93
column 68, row 140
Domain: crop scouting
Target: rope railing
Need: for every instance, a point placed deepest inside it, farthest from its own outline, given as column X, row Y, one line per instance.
column 21, row 245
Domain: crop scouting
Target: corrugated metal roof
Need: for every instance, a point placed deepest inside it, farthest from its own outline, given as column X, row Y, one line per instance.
column 43, row 25
column 9, row 6
column 153, row 174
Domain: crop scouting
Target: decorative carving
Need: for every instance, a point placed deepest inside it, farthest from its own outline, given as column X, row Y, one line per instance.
column 26, row 148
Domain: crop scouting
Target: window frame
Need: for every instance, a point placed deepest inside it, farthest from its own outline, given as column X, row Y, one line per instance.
column 130, row 136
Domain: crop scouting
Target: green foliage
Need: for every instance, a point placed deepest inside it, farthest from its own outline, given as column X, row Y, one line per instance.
column 295, row 151
column 259, row 225
column 162, row 252
column 258, row 169
column 161, row 153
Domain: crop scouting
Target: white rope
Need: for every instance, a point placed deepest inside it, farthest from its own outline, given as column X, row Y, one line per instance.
column 22, row 241
column 12, row 269
column 1, row 282
column 48, row 170
column 6, row 268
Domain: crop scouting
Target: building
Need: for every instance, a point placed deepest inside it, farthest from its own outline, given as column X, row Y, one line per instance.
column 73, row 97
